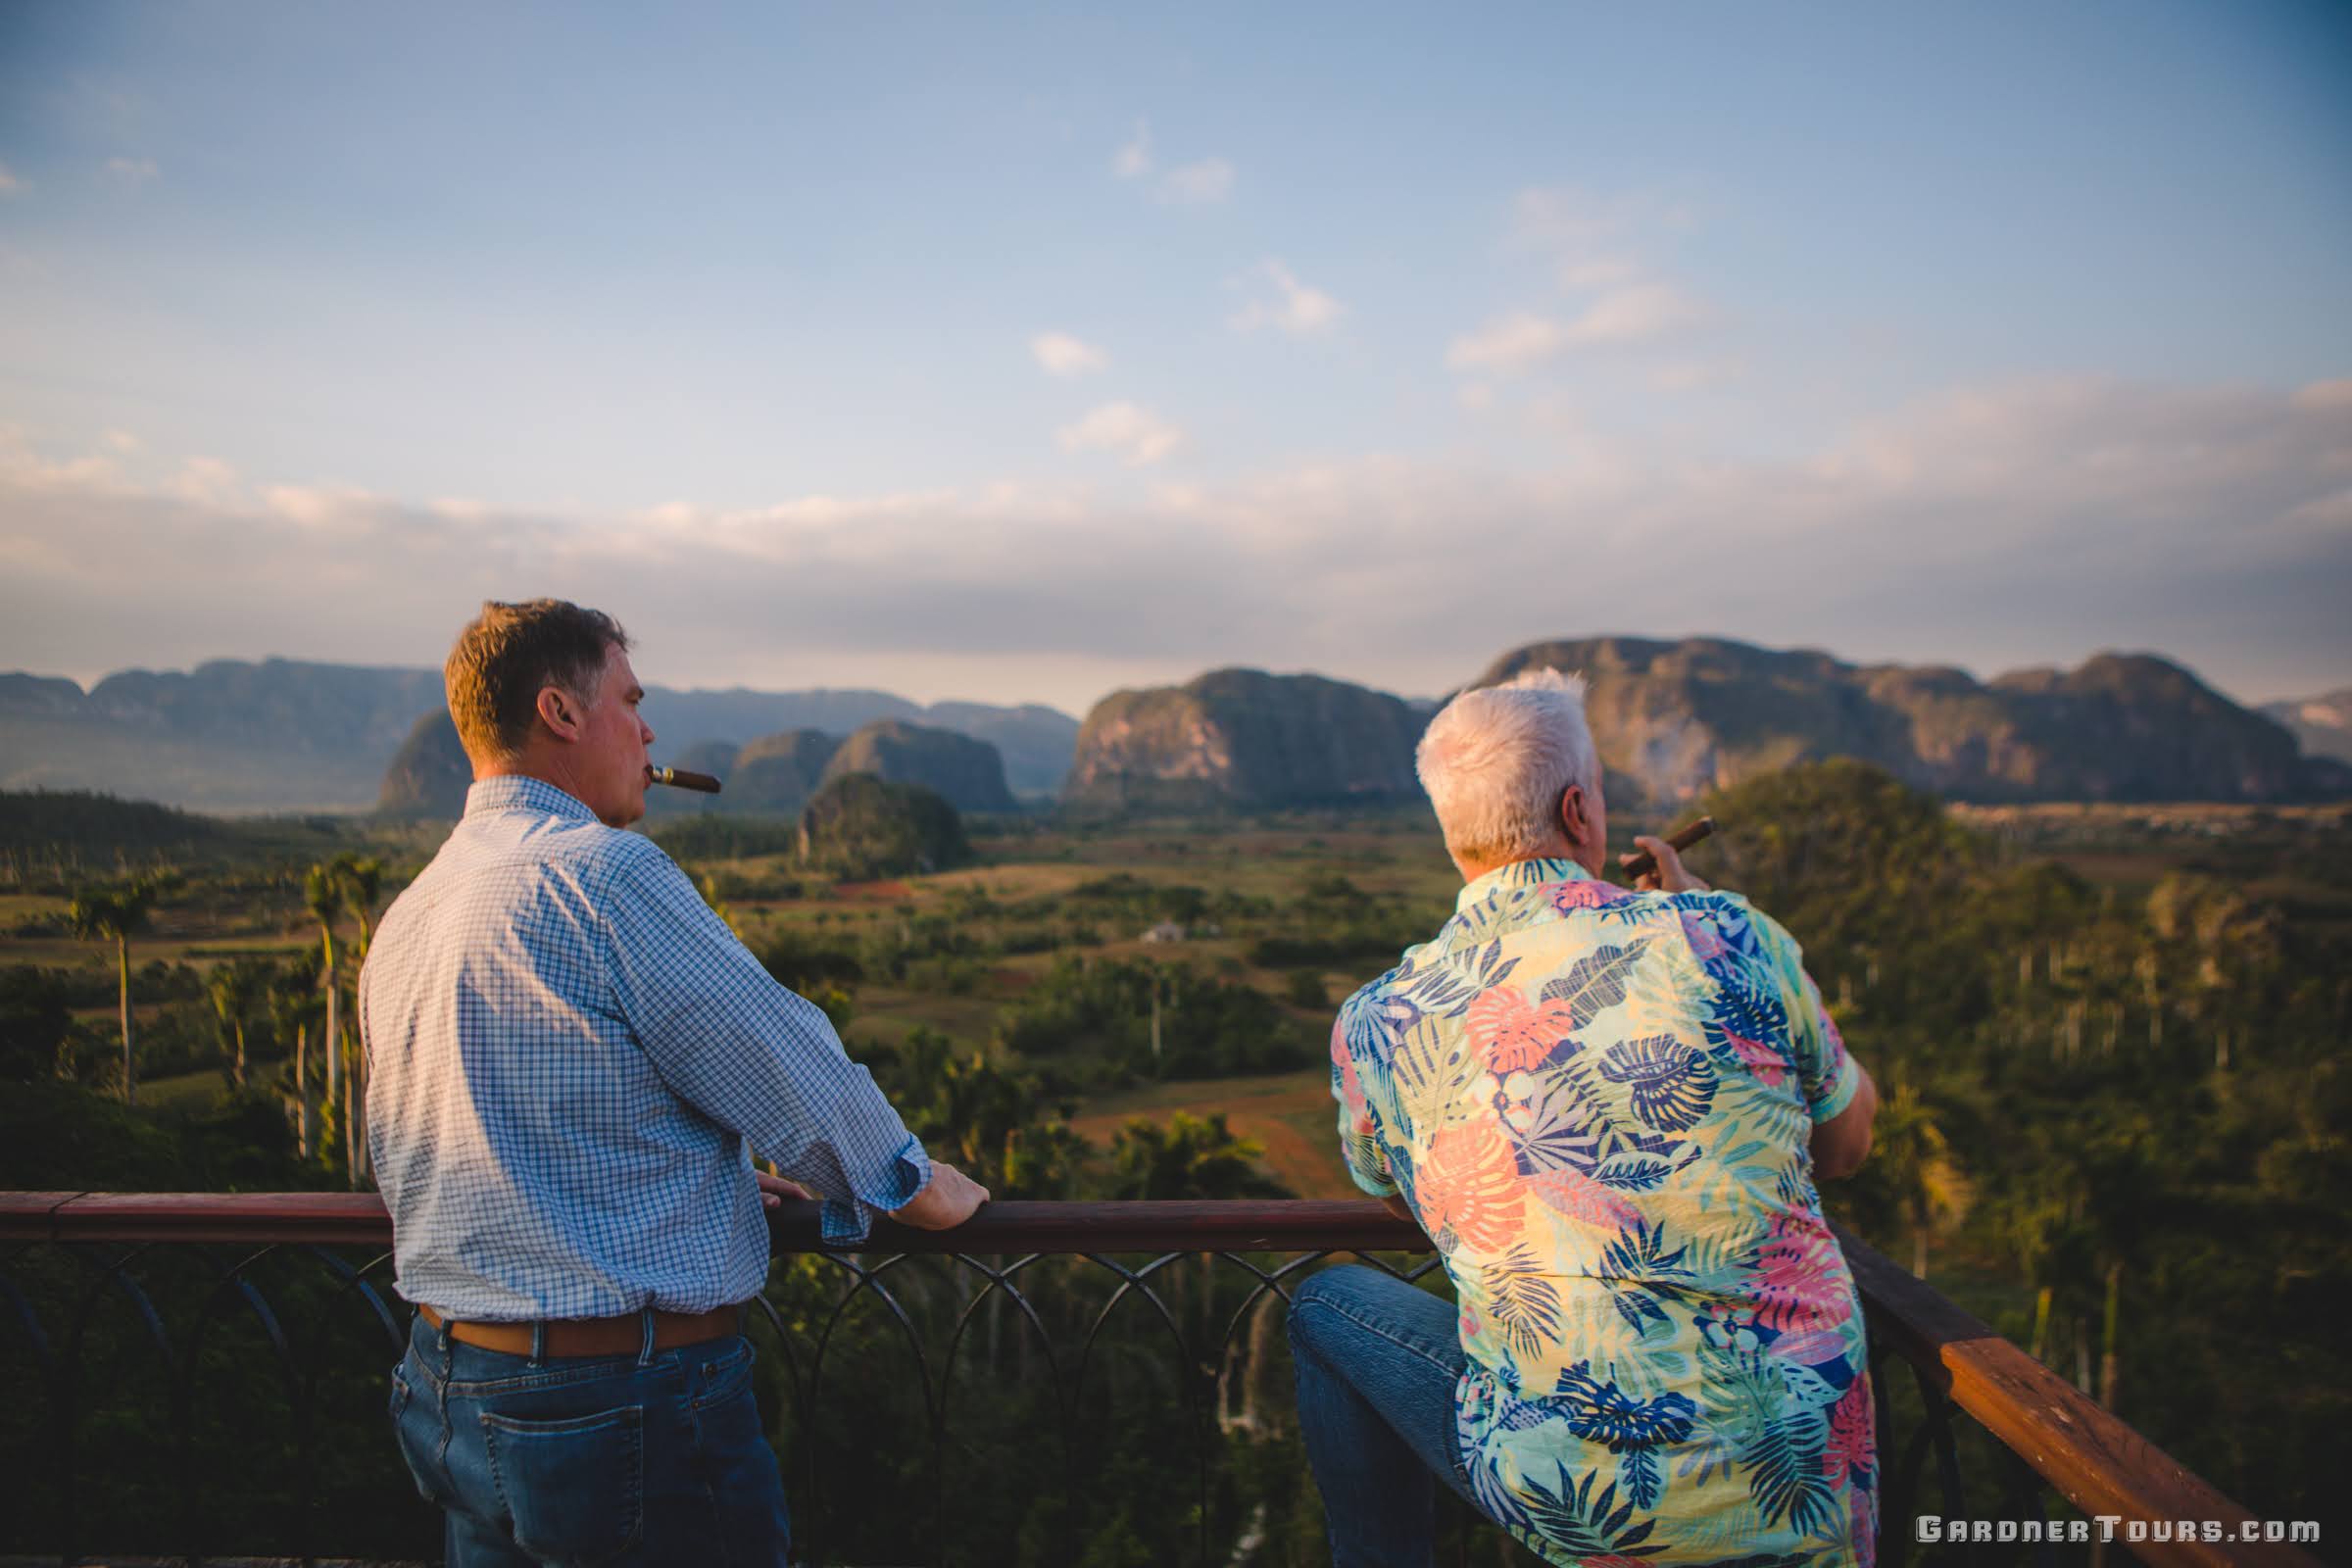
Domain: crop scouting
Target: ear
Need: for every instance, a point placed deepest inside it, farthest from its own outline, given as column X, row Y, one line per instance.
column 560, row 712
column 1576, row 817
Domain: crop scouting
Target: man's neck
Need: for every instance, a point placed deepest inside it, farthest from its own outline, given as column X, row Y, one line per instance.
column 1558, row 849
column 548, row 771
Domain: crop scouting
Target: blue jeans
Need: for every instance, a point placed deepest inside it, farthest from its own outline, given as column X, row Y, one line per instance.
column 646, row 1460
column 1377, row 1361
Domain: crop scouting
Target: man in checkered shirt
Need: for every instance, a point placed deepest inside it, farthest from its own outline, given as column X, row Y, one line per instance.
column 573, row 1061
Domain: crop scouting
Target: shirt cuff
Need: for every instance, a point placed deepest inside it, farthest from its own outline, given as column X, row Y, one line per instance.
column 1841, row 1091
column 1377, row 1186
column 845, row 1222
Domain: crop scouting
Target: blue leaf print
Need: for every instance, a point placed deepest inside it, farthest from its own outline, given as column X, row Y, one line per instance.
column 1584, row 1522
column 1559, row 1133
column 1594, row 983
column 1634, row 1173
column 1672, row 1085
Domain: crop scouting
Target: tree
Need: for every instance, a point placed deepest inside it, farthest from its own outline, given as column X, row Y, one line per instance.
column 295, row 1009
column 1914, row 1161
column 360, row 882
column 1192, row 1156
column 323, row 893
column 236, row 988
column 104, row 917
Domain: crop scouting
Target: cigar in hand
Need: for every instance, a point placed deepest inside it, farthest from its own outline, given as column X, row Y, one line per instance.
column 682, row 778
column 1682, row 838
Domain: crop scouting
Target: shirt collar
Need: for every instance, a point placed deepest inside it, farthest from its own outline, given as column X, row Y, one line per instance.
column 517, row 792
column 1518, row 874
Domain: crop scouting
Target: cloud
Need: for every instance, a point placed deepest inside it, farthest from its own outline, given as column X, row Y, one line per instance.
column 1622, row 318
column 1133, row 160
column 205, row 481
column 133, row 170
column 1061, row 354
column 1636, row 314
column 1507, row 343
column 1593, row 244
column 1193, row 184
column 1298, row 310
column 1990, row 526
column 1136, row 434
column 1197, row 184
column 9, row 183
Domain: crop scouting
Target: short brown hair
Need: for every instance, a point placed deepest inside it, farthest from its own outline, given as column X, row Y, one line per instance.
column 508, row 654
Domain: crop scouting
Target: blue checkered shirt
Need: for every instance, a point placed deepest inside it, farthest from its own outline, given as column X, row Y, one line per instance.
column 572, row 1061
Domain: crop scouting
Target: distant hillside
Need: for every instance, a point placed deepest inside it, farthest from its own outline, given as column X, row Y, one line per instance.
column 778, row 772
column 1674, row 720
column 966, row 772
column 429, row 773
column 1684, row 717
column 862, row 826
column 1241, row 739
column 95, row 826
column 2322, row 724
column 286, row 735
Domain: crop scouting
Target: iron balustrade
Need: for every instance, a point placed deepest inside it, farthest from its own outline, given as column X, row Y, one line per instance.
column 1980, row 1409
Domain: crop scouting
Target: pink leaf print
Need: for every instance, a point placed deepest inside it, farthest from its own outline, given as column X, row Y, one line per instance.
column 1853, row 1447
column 1580, row 894
column 1468, row 1184
column 1810, row 1347
column 1579, row 1197
column 1768, row 1064
column 1699, row 932
column 1800, row 1277
column 1512, row 1033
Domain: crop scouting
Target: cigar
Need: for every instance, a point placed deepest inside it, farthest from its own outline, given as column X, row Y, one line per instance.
column 1682, row 838
column 682, row 778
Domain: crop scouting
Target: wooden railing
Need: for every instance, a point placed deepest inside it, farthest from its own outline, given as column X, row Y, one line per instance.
column 2045, row 1430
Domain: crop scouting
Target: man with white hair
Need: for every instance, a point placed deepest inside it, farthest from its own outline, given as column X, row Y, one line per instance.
column 1607, row 1108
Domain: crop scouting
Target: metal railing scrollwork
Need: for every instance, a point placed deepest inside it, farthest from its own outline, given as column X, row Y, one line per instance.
column 192, row 1374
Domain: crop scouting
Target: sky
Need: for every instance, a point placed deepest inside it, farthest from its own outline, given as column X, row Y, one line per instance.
column 1020, row 354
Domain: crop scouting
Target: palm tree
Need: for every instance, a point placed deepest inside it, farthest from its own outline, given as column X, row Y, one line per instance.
column 235, row 987
column 323, row 893
column 360, row 882
column 114, row 916
column 294, row 1010
column 1930, row 1190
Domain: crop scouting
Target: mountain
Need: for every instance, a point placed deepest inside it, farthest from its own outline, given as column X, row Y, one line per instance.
column 2323, row 724
column 777, row 773
column 225, row 736
column 1241, row 739
column 1680, row 718
column 287, row 735
column 429, row 773
column 862, row 826
column 966, row 772
column 1036, row 743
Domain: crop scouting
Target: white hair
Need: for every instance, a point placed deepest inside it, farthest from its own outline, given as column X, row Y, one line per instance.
column 1496, row 761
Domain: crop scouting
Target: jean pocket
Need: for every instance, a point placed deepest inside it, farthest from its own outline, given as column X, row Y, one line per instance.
column 722, row 1377
column 416, row 1429
column 574, row 1488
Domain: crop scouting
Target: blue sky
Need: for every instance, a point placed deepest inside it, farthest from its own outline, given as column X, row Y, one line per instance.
column 1022, row 352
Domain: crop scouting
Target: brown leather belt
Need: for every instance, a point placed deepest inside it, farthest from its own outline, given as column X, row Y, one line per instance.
column 596, row 1336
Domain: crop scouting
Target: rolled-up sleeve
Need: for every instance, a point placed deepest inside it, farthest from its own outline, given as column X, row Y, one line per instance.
column 1360, row 1147
column 752, row 1056
column 1826, row 1074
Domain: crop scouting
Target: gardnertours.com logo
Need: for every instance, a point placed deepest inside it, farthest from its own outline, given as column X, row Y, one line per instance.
column 2113, row 1527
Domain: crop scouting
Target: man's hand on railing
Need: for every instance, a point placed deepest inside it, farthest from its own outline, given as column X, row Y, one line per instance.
column 950, row 1198
column 773, row 1189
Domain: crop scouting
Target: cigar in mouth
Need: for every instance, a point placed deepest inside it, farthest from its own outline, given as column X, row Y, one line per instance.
column 1682, row 838
column 683, row 779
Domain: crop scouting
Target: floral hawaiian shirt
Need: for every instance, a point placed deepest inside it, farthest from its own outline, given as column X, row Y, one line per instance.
column 1599, row 1104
